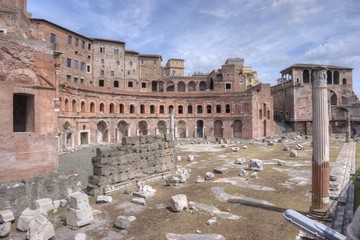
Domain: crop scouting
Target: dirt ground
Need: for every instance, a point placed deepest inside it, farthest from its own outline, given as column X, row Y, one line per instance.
column 284, row 183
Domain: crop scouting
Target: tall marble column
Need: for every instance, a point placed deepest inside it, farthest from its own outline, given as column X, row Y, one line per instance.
column 320, row 158
column 172, row 124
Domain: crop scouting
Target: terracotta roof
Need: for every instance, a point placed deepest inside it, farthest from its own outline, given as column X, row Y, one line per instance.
column 108, row 40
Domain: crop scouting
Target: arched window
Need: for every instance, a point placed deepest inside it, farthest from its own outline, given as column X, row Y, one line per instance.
column 170, row 87
column 82, row 106
column 344, row 81
column 66, row 105
column 306, row 76
column 227, row 108
column 92, row 107
column 171, row 107
column 74, row 105
column 211, row 87
column 181, row 86
column 208, row 109
column 161, row 109
column 199, row 109
column 102, row 108
column 121, row 108
column 190, row 109
column 152, row 109
column 142, row 108
column 192, row 86
column 180, row 109
column 111, row 108
column 132, row 109
column 202, row 86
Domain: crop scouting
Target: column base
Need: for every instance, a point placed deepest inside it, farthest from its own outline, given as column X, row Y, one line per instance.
column 320, row 215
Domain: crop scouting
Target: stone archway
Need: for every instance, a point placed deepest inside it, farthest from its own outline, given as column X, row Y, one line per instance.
column 161, row 126
column 181, row 129
column 102, row 132
column 143, row 128
column 123, row 129
column 237, row 129
column 200, row 128
column 218, row 129
column 68, row 135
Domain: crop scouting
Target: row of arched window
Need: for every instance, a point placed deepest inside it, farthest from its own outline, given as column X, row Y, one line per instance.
column 132, row 108
column 332, row 77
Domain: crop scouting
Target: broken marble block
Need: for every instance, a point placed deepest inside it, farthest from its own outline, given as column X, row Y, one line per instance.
column 25, row 218
column 191, row 158
column 123, row 222
column 45, row 204
column 80, row 236
column 209, row 176
column 243, row 173
column 255, row 165
column 103, row 199
column 220, row 170
column 240, row 161
column 138, row 200
column 235, row 149
column 179, row 202
column 199, row 179
column 293, row 153
column 6, row 216
column 80, row 213
column 5, row 229
column 40, row 228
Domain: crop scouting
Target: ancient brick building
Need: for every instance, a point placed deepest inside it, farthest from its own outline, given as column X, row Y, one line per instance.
column 80, row 91
column 293, row 98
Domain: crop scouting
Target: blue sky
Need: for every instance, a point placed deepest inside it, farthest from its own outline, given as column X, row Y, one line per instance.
column 269, row 34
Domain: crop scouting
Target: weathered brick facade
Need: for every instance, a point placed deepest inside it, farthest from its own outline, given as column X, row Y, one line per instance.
column 293, row 98
column 94, row 91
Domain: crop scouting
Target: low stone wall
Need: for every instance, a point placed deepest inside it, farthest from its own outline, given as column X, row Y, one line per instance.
column 16, row 196
column 136, row 158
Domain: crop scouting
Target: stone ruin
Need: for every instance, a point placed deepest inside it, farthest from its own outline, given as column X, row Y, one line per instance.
column 136, row 158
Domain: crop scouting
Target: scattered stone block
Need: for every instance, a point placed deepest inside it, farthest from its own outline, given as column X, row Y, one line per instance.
column 178, row 158
column 209, row 176
column 211, row 221
column 240, row 161
column 122, row 222
column 195, row 236
column 45, row 204
column 40, row 228
column 254, row 175
column 140, row 201
column 243, row 173
column 63, row 202
column 103, row 199
column 144, row 194
column 56, row 204
column 191, row 158
column 24, row 219
column 172, row 181
column 235, row 149
column 179, row 202
column 220, row 170
column 245, row 147
column 132, row 218
column 199, row 179
column 293, row 153
column 255, row 165
column 286, row 148
column 6, row 216
column 271, row 143
column 80, row 236
column 5, row 229
column 299, row 147
column 80, row 213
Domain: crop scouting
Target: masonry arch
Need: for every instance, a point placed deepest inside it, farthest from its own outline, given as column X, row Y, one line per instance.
column 191, row 86
column 218, row 129
column 202, row 86
column 181, row 86
column 211, row 85
column 102, row 133
column 102, row 108
column 123, row 129
column 92, row 107
column 74, row 108
column 82, row 106
column 66, row 105
column 112, row 108
column 333, row 98
column 154, row 86
column 181, row 129
column 143, row 128
column 200, row 128
column 170, row 86
column 161, row 127
column 68, row 134
column 237, row 128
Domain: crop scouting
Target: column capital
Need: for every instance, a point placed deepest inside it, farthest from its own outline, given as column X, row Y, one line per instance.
column 319, row 76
